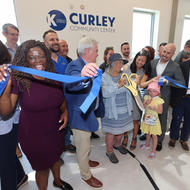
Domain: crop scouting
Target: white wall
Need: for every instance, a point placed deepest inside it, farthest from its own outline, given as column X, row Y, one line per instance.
column 31, row 17
column 183, row 9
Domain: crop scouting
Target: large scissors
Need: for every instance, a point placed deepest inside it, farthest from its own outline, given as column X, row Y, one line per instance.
column 132, row 86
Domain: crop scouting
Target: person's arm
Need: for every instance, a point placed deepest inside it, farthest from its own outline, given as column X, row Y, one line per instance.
column 145, row 82
column 7, row 100
column 64, row 115
column 109, row 88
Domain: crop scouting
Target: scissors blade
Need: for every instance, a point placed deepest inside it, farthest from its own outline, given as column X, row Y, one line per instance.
column 139, row 102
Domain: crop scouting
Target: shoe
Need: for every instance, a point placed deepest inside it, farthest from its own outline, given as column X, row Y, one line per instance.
column 93, row 164
column 23, row 181
column 159, row 147
column 125, row 140
column 18, row 152
column 185, row 146
column 71, row 148
column 93, row 182
column 143, row 147
column 121, row 149
column 171, row 143
column 94, row 136
column 61, row 161
column 152, row 155
column 133, row 143
column 112, row 157
column 142, row 137
column 139, row 132
column 64, row 186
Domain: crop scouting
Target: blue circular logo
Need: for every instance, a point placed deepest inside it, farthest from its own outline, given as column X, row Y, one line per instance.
column 56, row 20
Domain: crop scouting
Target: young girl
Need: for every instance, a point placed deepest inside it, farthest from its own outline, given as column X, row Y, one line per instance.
column 150, row 124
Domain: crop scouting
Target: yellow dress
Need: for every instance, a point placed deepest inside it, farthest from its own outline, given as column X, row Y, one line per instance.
column 150, row 122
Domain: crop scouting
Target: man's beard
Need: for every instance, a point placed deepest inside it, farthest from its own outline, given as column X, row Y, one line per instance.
column 54, row 50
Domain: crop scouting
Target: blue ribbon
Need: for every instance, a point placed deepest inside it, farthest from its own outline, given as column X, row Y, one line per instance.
column 93, row 93
column 49, row 75
column 3, row 84
column 61, row 78
column 161, row 81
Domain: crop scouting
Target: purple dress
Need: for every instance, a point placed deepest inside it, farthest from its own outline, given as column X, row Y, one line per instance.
column 38, row 125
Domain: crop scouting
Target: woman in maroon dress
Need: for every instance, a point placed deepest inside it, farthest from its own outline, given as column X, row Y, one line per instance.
column 42, row 108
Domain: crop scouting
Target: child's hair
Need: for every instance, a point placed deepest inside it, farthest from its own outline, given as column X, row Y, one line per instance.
column 155, row 86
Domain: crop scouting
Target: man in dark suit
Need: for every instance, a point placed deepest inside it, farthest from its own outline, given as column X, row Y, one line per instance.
column 166, row 67
column 83, row 124
column 180, row 101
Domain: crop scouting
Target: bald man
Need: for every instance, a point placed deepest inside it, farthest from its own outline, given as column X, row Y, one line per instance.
column 64, row 50
column 165, row 66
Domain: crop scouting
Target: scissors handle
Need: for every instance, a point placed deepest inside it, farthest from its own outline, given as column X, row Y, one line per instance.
column 132, row 84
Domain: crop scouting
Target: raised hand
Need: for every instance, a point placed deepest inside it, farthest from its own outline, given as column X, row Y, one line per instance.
column 89, row 70
column 121, row 82
column 3, row 72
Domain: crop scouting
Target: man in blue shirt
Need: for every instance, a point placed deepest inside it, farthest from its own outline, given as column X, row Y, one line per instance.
column 51, row 41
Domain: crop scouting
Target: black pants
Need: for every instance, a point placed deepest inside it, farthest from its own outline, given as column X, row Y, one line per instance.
column 11, row 170
column 181, row 111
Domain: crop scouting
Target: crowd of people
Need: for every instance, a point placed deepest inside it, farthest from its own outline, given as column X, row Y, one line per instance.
column 49, row 110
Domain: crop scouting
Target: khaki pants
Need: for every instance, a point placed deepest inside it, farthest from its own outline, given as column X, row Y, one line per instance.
column 82, row 143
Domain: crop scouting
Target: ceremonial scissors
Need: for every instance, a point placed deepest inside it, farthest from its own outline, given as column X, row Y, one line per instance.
column 132, row 86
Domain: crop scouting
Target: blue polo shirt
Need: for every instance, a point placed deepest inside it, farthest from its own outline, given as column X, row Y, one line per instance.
column 60, row 65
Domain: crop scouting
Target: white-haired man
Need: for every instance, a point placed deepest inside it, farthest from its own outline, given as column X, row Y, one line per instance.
column 83, row 124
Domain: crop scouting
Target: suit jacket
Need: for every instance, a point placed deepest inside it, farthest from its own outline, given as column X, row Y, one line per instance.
column 75, row 95
column 173, row 71
column 177, row 94
column 100, row 111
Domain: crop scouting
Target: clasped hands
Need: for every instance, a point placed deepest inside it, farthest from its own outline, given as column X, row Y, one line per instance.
column 122, row 81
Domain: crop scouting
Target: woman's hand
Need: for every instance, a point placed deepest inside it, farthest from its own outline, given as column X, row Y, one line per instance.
column 63, row 120
column 121, row 82
column 155, row 79
column 3, row 72
column 137, row 79
column 64, row 116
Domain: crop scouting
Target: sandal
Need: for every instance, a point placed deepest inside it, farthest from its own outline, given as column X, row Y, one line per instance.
column 133, row 143
column 125, row 140
column 143, row 147
column 152, row 155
